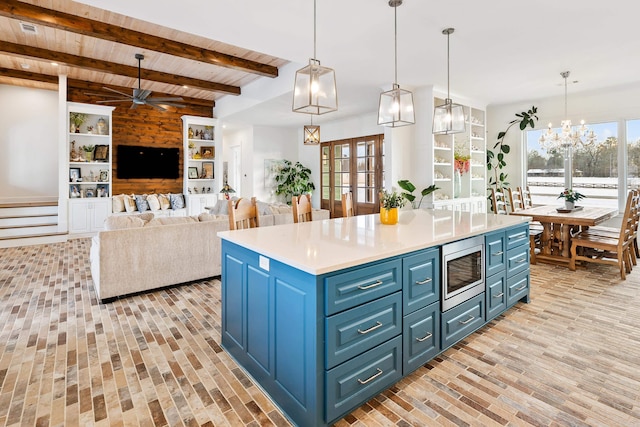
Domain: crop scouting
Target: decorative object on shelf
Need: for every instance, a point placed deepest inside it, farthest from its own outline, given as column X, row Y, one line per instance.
column 74, row 155
column 409, row 188
column 101, row 153
column 74, row 175
column 207, row 170
column 104, row 176
column 89, row 192
column 193, row 172
column 311, row 134
column 314, row 90
column 569, row 137
column 192, row 147
column 208, row 133
column 89, row 129
column 461, row 162
column 396, row 105
column 390, row 201
column 226, row 189
column 190, row 136
column 74, row 191
column 293, row 180
column 495, row 162
column 207, row 152
column 102, row 191
column 77, row 119
column 101, row 126
column 448, row 118
column 570, row 198
column 88, row 152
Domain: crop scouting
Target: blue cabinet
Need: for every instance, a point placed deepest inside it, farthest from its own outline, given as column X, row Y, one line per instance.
column 420, row 337
column 420, row 279
column 496, row 295
column 461, row 320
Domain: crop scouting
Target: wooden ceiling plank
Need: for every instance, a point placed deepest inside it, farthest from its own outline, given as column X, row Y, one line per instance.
column 113, row 68
column 28, row 75
column 73, row 23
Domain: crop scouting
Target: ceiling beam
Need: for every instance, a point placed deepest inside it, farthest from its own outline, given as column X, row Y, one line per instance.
column 94, row 87
column 113, row 68
column 77, row 24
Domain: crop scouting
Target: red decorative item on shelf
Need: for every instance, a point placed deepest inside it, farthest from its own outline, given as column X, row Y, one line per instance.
column 461, row 165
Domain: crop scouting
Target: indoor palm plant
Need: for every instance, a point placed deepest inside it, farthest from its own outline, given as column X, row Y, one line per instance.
column 390, row 201
column 293, row 180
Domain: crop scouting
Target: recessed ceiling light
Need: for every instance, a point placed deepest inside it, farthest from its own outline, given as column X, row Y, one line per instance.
column 55, row 64
column 25, row 66
column 185, row 87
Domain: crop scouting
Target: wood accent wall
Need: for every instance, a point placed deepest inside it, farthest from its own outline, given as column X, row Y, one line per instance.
column 144, row 126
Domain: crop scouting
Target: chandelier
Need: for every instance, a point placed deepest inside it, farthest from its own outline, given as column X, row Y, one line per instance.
column 314, row 90
column 448, row 118
column 568, row 137
column 396, row 105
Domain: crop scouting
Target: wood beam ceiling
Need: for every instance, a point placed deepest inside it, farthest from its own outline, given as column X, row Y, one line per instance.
column 77, row 24
column 113, row 68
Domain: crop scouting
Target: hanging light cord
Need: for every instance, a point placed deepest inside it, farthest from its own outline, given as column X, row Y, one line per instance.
column 448, row 75
column 314, row 30
column 565, row 75
column 395, row 47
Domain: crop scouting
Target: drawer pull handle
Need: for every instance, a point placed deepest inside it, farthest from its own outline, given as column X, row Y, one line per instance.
column 372, row 377
column 521, row 260
column 373, row 285
column 464, row 322
column 373, row 328
column 521, row 288
column 499, row 295
column 423, row 282
column 499, row 253
column 426, row 337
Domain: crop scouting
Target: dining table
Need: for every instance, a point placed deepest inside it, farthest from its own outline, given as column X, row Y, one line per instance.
column 560, row 224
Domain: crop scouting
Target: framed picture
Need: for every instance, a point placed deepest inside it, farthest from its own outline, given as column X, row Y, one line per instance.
column 207, row 170
column 101, row 153
column 104, row 176
column 193, row 172
column 74, row 174
column 207, row 152
column 74, row 191
column 89, row 192
column 102, row 190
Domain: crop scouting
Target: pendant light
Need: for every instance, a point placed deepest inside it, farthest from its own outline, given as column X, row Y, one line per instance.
column 396, row 105
column 314, row 90
column 449, row 117
column 311, row 134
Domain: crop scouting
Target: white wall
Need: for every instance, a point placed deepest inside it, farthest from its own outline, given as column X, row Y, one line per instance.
column 29, row 144
column 612, row 104
column 272, row 143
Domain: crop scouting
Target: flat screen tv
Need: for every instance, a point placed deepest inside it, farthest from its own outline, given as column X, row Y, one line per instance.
column 147, row 162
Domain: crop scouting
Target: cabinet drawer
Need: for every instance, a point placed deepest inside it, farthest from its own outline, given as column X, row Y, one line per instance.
column 356, row 381
column 517, row 287
column 461, row 320
column 420, row 337
column 517, row 236
column 496, row 295
column 518, row 260
column 495, row 253
column 421, row 280
column 355, row 287
column 354, row 331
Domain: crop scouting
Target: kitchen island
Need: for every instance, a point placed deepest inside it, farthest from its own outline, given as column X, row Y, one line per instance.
column 326, row 314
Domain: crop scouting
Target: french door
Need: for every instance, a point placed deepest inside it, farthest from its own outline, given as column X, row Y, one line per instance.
column 353, row 165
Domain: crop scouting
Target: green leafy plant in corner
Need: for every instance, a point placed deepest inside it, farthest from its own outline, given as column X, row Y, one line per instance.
column 409, row 188
column 496, row 157
column 77, row 118
column 293, row 180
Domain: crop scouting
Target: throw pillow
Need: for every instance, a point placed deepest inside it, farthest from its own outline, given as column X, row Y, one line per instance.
column 263, row 208
column 171, row 220
column 177, row 201
column 118, row 203
column 221, row 208
column 165, row 203
column 146, row 217
column 119, row 222
column 154, row 203
column 129, row 203
column 204, row 216
column 141, row 202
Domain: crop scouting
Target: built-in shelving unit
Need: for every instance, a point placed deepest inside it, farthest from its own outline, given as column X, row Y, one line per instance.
column 89, row 147
column 459, row 165
column 200, row 147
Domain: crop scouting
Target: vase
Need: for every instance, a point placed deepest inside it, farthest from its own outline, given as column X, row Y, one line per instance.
column 569, row 205
column 457, row 183
column 389, row 216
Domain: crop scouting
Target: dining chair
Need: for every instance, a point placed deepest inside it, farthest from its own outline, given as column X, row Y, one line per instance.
column 588, row 246
column 243, row 214
column 347, row 205
column 301, row 208
column 515, row 199
column 535, row 228
column 525, row 193
column 498, row 202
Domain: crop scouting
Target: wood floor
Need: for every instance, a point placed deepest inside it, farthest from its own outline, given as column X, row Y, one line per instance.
column 570, row 358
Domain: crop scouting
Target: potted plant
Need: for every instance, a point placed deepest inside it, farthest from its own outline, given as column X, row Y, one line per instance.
column 88, row 152
column 390, row 201
column 409, row 188
column 77, row 119
column 570, row 198
column 293, row 180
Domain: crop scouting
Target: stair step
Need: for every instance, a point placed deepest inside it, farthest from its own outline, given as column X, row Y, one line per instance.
column 27, row 221
column 13, row 211
column 39, row 239
column 27, row 204
column 36, row 230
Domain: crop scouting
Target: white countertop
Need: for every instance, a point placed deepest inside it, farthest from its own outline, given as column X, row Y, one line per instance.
column 319, row 247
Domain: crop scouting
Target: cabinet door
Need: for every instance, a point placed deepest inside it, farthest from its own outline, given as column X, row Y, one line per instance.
column 495, row 253
column 420, row 337
column 496, row 295
column 79, row 221
column 420, row 280
column 98, row 212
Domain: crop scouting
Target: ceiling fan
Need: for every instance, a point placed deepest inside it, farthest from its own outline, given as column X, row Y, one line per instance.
column 140, row 96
